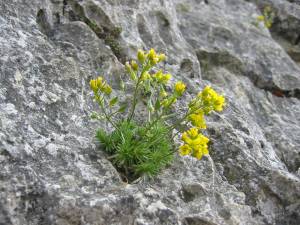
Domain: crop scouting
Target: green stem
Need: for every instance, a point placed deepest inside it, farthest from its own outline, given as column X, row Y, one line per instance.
column 178, row 122
column 153, row 123
column 106, row 115
column 145, row 68
column 184, row 118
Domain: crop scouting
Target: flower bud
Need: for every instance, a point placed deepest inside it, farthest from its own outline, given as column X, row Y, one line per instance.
column 179, row 88
column 152, row 54
column 99, row 81
column 161, row 57
column 165, row 78
column 122, row 85
column 141, row 56
column 93, row 85
column 107, row 89
column 260, row 18
column 128, row 67
column 158, row 75
column 163, row 94
column 145, row 76
column 134, row 65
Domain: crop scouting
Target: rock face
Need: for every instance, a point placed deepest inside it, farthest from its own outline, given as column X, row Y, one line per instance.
column 51, row 171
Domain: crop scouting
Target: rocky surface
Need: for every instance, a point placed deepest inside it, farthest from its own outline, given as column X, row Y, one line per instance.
column 51, row 171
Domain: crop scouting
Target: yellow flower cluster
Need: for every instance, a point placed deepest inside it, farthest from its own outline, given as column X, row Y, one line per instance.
column 261, row 18
column 162, row 78
column 179, row 88
column 155, row 58
column 209, row 100
column 147, row 60
column 197, row 119
column 99, row 84
column 152, row 56
column 206, row 101
column 267, row 18
column 195, row 144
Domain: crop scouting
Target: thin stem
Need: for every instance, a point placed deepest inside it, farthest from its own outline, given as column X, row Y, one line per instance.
column 188, row 113
column 149, row 110
column 145, row 68
column 153, row 123
column 105, row 114
column 134, row 101
column 179, row 121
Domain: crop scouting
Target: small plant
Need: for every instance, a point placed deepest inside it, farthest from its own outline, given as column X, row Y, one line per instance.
column 267, row 17
column 143, row 148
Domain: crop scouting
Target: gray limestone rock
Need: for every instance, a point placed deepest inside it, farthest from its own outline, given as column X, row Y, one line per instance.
column 51, row 168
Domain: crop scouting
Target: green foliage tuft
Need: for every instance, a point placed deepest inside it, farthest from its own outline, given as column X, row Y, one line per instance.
column 137, row 151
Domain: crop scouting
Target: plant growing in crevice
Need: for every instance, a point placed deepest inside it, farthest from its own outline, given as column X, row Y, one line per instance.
column 140, row 149
column 267, row 17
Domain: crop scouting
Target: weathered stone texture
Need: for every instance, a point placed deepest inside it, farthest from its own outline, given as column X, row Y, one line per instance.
column 51, row 171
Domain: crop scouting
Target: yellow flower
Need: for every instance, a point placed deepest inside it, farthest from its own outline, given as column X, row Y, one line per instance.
column 161, row 57
column 165, row 78
column 205, row 150
column 152, row 54
column 260, row 18
column 96, row 84
column 99, row 81
column 134, row 65
column 184, row 150
column 197, row 154
column 199, row 140
column 162, row 78
column 179, row 88
column 163, row 94
column 219, row 103
column 128, row 67
column 93, row 85
column 99, row 84
column 168, row 102
column 193, row 132
column 158, row 75
column 141, row 56
column 196, row 142
column 107, row 89
column 200, row 150
column 211, row 100
column 198, row 120
column 145, row 76
column 155, row 58
column 185, row 138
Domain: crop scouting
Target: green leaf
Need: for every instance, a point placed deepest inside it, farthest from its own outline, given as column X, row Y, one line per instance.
column 122, row 108
column 122, row 85
column 113, row 101
column 157, row 105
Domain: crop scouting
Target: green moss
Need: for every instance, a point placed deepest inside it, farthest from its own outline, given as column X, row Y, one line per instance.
column 93, row 25
column 114, row 45
column 115, row 32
